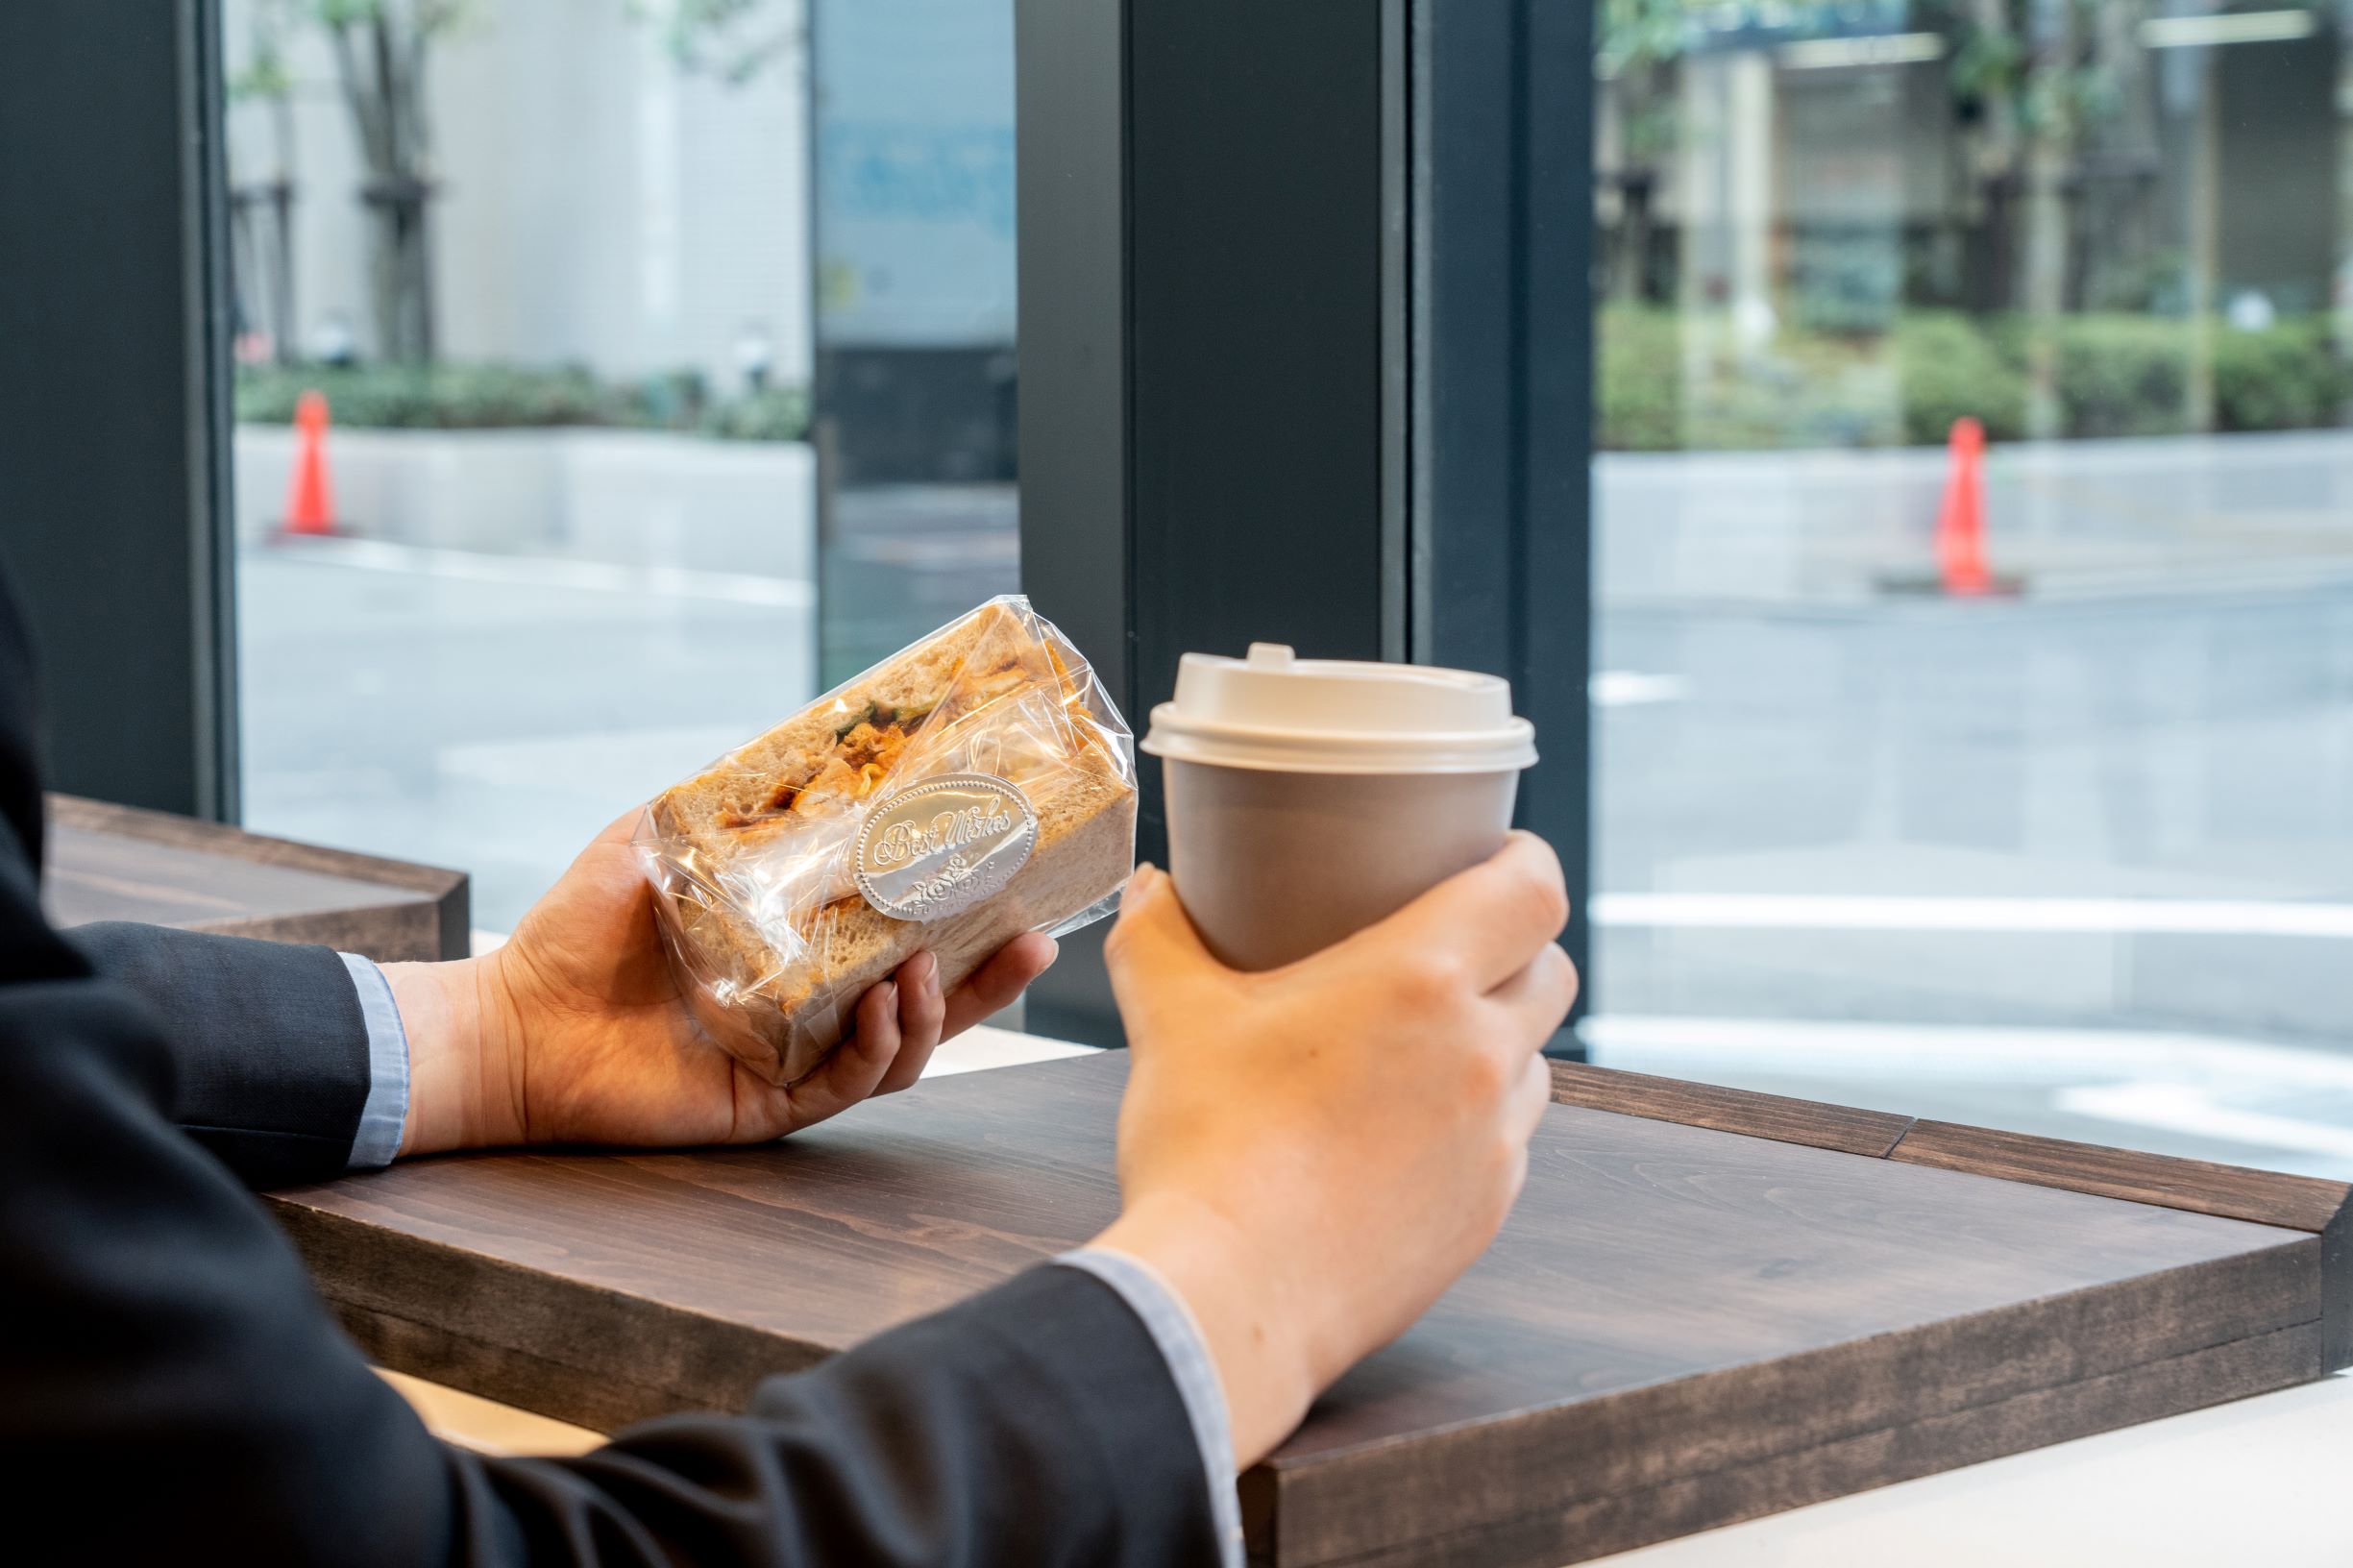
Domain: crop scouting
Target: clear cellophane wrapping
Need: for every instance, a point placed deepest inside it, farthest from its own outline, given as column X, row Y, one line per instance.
column 753, row 860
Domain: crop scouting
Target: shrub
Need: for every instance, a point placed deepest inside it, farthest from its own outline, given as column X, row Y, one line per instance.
column 1638, row 377
column 2283, row 377
column 496, row 397
column 777, row 414
column 1952, row 366
column 2117, row 374
column 2124, row 376
column 427, row 397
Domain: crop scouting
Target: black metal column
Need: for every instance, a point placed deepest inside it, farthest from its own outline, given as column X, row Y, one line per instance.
column 114, row 392
column 1304, row 353
column 1501, row 409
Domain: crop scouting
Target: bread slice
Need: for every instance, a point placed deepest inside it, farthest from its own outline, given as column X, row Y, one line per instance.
column 751, row 857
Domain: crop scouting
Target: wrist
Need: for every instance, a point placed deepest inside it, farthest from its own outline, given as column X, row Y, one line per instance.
column 458, row 1095
column 1250, row 1325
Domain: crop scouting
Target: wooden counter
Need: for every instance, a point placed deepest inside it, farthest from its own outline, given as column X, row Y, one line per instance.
column 118, row 862
column 1708, row 1305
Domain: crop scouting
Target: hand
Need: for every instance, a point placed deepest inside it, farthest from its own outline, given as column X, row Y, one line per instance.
column 575, row 1032
column 1311, row 1155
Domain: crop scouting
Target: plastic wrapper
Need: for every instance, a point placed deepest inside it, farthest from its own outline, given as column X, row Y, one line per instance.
column 974, row 786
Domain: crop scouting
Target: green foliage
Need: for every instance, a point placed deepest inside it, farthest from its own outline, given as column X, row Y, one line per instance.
column 495, row 396
column 1664, row 383
column 1638, row 379
column 1951, row 367
column 2284, row 378
column 427, row 397
column 2124, row 376
column 777, row 414
column 733, row 40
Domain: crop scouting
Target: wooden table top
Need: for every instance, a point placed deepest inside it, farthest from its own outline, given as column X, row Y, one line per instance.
column 1681, row 1324
column 119, row 862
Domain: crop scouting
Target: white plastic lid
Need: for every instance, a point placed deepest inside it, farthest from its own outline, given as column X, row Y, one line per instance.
column 1276, row 711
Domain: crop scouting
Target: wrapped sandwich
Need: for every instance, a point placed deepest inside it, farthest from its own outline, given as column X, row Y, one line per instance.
column 975, row 786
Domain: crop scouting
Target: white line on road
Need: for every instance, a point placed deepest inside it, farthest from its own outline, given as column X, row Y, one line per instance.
column 1949, row 1052
column 1635, row 688
column 2171, row 1082
column 2185, row 1107
column 1837, row 912
column 551, row 572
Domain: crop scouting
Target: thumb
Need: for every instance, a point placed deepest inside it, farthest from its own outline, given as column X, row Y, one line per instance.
column 1154, row 944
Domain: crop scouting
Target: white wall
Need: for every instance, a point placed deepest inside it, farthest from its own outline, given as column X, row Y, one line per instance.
column 599, row 206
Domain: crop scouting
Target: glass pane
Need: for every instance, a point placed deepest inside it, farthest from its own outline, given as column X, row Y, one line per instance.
column 2010, row 785
column 555, row 537
column 915, row 317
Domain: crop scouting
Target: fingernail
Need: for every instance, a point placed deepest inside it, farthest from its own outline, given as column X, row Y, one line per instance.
column 1053, row 952
column 927, row 968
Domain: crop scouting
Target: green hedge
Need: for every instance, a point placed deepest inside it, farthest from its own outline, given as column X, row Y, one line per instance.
column 1664, row 385
column 496, row 397
column 1948, row 367
column 2285, row 378
column 2124, row 376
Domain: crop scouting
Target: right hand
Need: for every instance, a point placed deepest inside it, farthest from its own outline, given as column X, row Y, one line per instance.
column 1311, row 1155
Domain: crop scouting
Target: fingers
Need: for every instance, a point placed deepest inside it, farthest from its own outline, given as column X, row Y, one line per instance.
column 1492, row 918
column 1529, row 1096
column 852, row 1073
column 921, row 1012
column 1539, row 996
column 901, row 1021
column 994, row 985
column 1154, row 940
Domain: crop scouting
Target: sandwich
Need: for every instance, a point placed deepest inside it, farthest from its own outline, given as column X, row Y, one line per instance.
column 973, row 787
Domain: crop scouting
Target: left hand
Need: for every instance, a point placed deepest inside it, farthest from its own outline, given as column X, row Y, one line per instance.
column 575, row 1032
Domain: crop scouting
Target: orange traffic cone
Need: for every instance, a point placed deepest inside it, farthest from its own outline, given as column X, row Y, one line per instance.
column 1960, row 524
column 310, row 505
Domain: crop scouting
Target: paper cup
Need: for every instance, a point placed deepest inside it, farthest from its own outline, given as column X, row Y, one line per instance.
column 1308, row 799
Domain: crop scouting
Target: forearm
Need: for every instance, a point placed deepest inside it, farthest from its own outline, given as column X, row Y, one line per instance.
column 1252, row 1334
column 461, row 1093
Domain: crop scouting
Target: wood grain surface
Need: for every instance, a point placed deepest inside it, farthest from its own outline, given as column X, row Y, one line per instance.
column 1681, row 1326
column 119, row 862
column 1729, row 1109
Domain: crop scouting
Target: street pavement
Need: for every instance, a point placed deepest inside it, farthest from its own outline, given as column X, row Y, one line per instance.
column 2165, row 716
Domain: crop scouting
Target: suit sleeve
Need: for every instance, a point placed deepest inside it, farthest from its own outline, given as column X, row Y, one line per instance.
column 269, row 1050
column 176, row 1393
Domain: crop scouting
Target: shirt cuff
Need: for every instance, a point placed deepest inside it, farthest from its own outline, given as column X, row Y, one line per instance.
column 1171, row 1323
column 386, row 1111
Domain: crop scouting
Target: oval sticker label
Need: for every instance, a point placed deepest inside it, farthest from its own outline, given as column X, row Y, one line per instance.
column 943, row 844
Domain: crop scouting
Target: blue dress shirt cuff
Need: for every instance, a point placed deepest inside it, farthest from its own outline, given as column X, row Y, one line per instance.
column 386, row 1111
column 1173, row 1330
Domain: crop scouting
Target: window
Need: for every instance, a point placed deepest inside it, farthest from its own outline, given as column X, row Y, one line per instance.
column 2014, row 790
column 530, row 298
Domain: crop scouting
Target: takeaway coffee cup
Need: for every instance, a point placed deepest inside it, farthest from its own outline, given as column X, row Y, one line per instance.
column 1310, row 798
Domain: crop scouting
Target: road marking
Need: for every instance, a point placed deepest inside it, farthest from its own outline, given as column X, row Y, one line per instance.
column 1634, row 689
column 2186, row 1108
column 1835, row 912
column 2167, row 1081
column 552, row 572
column 1950, row 1052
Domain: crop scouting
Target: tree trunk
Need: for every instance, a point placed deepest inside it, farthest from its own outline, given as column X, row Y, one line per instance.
column 2341, row 287
column 385, row 92
column 1989, row 156
column 2045, row 271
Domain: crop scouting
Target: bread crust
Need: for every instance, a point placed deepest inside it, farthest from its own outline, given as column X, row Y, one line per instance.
column 772, row 946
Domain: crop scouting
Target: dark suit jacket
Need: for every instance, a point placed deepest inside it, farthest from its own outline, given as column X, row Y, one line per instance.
column 172, row 1392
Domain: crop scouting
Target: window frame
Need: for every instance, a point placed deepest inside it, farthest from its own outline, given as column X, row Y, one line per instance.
column 117, row 399
column 1363, row 217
